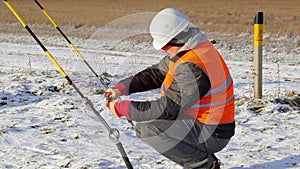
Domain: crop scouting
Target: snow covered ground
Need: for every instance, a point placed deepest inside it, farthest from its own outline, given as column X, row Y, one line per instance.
column 45, row 124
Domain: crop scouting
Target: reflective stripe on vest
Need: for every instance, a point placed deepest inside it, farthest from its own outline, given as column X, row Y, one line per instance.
column 224, row 86
column 217, row 105
column 214, row 104
column 163, row 89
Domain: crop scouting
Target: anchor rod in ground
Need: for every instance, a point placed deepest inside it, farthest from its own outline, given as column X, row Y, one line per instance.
column 113, row 133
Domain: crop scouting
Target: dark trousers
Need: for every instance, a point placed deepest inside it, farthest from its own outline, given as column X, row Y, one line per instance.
column 187, row 142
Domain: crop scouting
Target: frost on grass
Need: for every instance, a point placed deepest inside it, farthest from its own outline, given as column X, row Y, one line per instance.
column 45, row 124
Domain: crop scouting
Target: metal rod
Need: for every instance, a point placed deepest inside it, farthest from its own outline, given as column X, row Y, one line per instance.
column 113, row 133
column 70, row 43
column 74, row 48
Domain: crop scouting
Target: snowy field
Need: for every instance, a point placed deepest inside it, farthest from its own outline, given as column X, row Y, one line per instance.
column 45, row 124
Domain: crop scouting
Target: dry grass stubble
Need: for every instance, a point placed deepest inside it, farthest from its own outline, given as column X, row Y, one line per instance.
column 224, row 20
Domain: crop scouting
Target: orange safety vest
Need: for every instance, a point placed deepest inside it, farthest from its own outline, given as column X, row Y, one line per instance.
column 217, row 106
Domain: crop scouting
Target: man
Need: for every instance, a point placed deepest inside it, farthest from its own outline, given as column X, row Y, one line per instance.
column 194, row 117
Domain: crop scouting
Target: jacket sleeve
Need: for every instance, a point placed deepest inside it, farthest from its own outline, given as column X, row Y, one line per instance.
column 148, row 79
column 189, row 85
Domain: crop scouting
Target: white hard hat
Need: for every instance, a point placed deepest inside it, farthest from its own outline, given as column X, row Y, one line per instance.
column 165, row 25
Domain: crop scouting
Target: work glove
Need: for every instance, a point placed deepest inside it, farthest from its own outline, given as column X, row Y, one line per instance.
column 120, row 108
column 111, row 106
column 115, row 92
column 112, row 94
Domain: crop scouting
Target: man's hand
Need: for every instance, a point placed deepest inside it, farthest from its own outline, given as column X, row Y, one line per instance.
column 111, row 106
column 112, row 94
column 120, row 108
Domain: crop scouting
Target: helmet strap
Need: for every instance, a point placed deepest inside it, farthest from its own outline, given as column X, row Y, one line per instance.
column 175, row 44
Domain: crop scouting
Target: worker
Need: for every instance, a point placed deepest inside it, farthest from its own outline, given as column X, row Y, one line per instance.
column 194, row 117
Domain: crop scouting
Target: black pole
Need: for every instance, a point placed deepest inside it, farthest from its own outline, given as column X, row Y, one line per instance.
column 74, row 48
column 113, row 133
column 259, row 18
column 70, row 43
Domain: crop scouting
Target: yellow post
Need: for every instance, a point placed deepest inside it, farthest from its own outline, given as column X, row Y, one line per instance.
column 258, row 41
